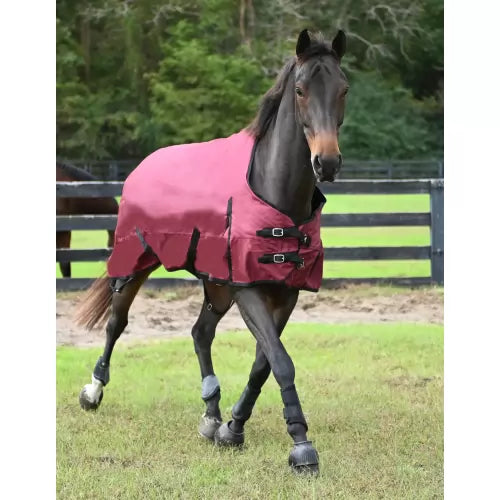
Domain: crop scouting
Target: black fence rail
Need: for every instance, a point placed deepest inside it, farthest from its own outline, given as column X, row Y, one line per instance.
column 433, row 219
column 118, row 170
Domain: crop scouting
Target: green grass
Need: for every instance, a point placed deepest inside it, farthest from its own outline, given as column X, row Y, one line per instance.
column 369, row 236
column 366, row 203
column 372, row 394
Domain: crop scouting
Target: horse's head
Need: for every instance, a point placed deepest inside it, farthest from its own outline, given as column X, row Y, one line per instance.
column 320, row 90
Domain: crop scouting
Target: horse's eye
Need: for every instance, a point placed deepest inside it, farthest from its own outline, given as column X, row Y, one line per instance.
column 299, row 92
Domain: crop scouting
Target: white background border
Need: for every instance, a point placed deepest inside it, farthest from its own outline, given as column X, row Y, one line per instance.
column 472, row 242
column 27, row 285
column 472, row 249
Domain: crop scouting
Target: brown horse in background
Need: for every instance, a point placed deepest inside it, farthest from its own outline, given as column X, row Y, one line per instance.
column 79, row 206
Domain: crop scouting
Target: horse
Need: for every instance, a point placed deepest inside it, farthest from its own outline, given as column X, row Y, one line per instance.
column 77, row 206
column 295, row 146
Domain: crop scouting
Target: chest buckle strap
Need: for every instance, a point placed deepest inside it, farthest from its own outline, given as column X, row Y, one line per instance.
column 285, row 232
column 280, row 258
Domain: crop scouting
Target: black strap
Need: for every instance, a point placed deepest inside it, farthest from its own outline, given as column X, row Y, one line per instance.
column 117, row 284
column 285, row 232
column 280, row 258
column 211, row 307
column 292, row 412
column 146, row 247
column 294, row 415
column 289, row 395
column 101, row 371
column 191, row 253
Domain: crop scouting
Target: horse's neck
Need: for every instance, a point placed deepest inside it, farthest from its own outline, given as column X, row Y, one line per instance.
column 282, row 174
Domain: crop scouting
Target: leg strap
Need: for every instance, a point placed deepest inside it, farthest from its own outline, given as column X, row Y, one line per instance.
column 117, row 284
column 211, row 307
column 292, row 412
column 209, row 387
column 243, row 408
column 101, row 371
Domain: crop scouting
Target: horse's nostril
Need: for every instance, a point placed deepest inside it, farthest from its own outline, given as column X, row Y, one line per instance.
column 316, row 162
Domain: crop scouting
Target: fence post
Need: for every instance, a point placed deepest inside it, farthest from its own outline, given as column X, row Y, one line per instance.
column 440, row 169
column 390, row 173
column 437, row 230
column 113, row 171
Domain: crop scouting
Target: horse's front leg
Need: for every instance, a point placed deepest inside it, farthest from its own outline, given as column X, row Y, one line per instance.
column 282, row 304
column 254, row 307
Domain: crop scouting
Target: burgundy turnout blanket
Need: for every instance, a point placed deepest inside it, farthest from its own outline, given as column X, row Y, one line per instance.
column 191, row 207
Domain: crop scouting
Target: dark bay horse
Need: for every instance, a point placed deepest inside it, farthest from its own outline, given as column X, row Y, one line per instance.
column 79, row 206
column 296, row 145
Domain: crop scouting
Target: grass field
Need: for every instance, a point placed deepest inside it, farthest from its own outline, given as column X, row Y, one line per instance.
column 368, row 236
column 372, row 394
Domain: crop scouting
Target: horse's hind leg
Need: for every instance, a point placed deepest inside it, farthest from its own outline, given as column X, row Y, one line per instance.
column 215, row 305
column 63, row 240
column 91, row 394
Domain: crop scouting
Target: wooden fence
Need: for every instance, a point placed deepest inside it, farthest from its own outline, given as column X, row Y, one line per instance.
column 118, row 170
column 434, row 219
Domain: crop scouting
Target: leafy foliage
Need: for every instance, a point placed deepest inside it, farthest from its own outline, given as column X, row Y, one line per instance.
column 135, row 76
column 197, row 95
column 384, row 121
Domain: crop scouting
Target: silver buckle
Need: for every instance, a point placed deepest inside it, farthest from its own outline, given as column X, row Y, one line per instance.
column 277, row 232
column 278, row 258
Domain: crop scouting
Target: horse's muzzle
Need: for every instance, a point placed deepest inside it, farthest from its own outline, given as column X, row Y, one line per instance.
column 326, row 168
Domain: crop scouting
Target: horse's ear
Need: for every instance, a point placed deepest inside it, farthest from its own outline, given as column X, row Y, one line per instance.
column 303, row 43
column 339, row 44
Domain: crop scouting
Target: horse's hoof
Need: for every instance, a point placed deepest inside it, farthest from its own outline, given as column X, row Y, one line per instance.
column 224, row 436
column 304, row 458
column 208, row 426
column 89, row 404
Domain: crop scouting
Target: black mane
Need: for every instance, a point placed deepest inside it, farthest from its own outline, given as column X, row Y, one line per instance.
column 271, row 100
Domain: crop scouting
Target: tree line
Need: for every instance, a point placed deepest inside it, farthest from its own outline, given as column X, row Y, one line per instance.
column 133, row 76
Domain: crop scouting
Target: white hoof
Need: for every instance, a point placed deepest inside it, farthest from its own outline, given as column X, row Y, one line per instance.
column 91, row 395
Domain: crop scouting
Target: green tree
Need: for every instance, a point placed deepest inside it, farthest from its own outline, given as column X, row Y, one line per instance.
column 134, row 76
column 198, row 95
column 384, row 121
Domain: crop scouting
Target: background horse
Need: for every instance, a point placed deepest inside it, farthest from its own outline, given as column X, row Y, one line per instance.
column 296, row 146
column 79, row 206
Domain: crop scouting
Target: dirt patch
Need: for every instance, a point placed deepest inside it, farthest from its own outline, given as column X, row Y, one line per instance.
column 166, row 314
